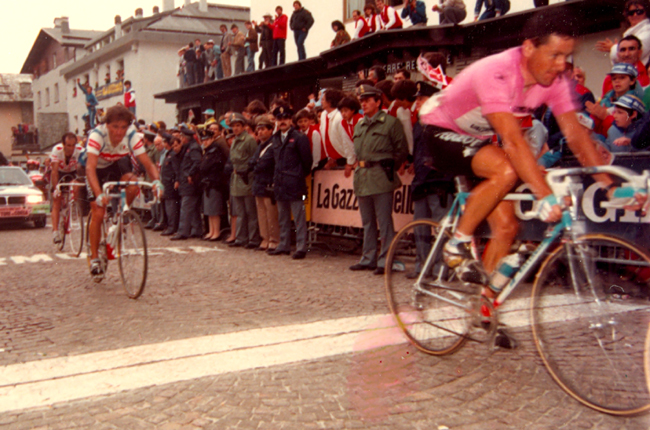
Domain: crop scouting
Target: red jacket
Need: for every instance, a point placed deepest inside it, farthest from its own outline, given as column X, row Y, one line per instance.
column 279, row 27
column 386, row 15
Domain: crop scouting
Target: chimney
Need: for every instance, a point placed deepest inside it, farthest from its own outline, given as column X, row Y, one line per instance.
column 65, row 25
column 138, row 13
column 168, row 5
column 156, row 10
column 118, row 27
column 203, row 5
column 188, row 2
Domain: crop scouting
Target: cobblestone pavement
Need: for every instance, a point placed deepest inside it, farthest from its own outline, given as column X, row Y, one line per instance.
column 50, row 308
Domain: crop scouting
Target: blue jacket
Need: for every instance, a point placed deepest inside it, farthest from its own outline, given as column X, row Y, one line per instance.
column 263, row 167
column 417, row 15
column 90, row 97
column 293, row 162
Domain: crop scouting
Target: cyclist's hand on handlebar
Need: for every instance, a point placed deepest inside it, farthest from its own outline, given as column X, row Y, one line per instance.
column 548, row 209
column 629, row 198
column 56, row 193
column 158, row 188
column 101, row 200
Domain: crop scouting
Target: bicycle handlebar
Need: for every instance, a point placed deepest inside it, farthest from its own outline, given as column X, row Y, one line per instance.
column 107, row 185
column 69, row 184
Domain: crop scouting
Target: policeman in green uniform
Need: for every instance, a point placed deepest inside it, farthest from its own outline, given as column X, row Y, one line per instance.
column 381, row 148
column 242, row 150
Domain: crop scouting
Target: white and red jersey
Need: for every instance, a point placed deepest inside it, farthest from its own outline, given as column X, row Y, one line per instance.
column 348, row 126
column 318, row 152
column 390, row 19
column 66, row 164
column 100, row 145
column 374, row 23
column 129, row 98
column 361, row 28
column 337, row 143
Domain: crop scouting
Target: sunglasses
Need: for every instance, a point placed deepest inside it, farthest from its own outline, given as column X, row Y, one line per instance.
column 632, row 12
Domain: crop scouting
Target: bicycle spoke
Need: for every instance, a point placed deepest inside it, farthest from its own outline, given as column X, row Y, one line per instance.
column 590, row 314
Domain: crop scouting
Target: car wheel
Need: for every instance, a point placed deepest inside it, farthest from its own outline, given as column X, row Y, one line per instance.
column 40, row 222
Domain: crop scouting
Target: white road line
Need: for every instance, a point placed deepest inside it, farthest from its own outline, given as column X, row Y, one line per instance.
column 50, row 381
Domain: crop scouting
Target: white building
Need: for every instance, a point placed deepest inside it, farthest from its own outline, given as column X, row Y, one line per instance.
column 53, row 49
column 144, row 50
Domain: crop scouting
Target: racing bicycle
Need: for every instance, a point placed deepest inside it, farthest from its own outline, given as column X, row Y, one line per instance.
column 590, row 306
column 71, row 220
column 123, row 238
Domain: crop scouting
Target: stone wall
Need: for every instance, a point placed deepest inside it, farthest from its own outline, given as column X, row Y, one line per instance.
column 51, row 126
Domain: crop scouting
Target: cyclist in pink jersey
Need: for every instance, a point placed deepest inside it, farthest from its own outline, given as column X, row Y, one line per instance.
column 487, row 99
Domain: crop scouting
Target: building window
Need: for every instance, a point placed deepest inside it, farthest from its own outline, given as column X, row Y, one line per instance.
column 107, row 77
column 53, row 61
column 38, row 99
column 47, row 97
column 56, row 93
column 351, row 5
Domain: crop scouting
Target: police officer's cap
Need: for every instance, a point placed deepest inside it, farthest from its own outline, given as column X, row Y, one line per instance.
column 368, row 91
column 281, row 112
column 187, row 131
column 424, row 89
column 150, row 134
column 264, row 121
column 237, row 117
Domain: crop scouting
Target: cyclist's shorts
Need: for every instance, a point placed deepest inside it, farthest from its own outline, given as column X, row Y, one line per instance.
column 452, row 152
column 114, row 172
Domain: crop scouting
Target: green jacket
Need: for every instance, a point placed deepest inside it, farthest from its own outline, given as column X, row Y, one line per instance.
column 243, row 148
column 378, row 138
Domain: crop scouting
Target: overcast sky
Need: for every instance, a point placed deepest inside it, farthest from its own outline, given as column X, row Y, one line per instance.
column 21, row 20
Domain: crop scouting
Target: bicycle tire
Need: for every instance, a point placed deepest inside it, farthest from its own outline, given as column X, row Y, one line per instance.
column 432, row 325
column 75, row 228
column 600, row 363
column 646, row 357
column 132, row 253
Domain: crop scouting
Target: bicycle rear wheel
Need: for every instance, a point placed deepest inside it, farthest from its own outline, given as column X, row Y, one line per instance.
column 590, row 312
column 132, row 254
column 75, row 228
column 434, row 312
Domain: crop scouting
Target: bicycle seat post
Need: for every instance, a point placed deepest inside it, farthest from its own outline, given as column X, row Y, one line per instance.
column 461, row 184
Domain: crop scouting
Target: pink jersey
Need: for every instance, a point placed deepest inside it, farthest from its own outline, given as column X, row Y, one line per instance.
column 492, row 85
column 100, row 145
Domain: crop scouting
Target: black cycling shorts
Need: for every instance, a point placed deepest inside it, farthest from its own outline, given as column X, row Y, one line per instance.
column 114, row 172
column 452, row 152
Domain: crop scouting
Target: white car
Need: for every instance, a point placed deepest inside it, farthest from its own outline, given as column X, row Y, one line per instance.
column 20, row 199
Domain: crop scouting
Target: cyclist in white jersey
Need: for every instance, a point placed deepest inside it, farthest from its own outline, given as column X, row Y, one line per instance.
column 64, row 158
column 108, row 150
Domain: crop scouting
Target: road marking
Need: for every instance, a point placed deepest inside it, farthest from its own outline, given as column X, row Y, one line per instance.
column 46, row 382
column 48, row 258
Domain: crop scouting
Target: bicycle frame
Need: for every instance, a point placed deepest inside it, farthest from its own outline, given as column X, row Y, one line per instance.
column 564, row 184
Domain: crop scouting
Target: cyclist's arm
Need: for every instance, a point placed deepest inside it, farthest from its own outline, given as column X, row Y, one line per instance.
column 517, row 150
column 581, row 144
column 91, row 173
column 148, row 166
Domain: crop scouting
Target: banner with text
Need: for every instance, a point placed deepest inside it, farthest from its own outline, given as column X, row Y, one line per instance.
column 334, row 201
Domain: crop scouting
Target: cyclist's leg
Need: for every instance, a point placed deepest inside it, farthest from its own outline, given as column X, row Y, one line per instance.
column 504, row 228
column 95, row 229
column 491, row 163
column 56, row 209
column 133, row 190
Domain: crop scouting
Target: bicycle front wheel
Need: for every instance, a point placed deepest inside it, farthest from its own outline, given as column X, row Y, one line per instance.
column 590, row 312
column 76, row 229
column 431, row 309
column 132, row 254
